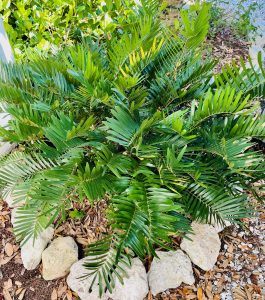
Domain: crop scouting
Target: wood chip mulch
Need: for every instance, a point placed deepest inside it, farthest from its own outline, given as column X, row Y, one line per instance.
column 226, row 48
column 17, row 283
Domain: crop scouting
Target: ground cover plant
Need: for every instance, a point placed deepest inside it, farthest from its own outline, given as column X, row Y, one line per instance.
column 141, row 120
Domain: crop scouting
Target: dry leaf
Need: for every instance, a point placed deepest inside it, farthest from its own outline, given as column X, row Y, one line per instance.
column 22, row 294
column 61, row 290
column 6, row 295
column 200, row 294
column 9, row 249
column 18, row 291
column 8, row 284
column 54, row 294
column 190, row 297
column 225, row 263
column 208, row 291
column 16, row 248
column 185, row 291
column 18, row 283
column 82, row 241
column 150, row 297
column 248, row 293
column 6, row 260
column 69, row 295
column 238, row 294
column 230, row 248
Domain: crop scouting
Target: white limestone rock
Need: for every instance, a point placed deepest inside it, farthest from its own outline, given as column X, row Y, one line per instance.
column 31, row 251
column 169, row 271
column 81, row 287
column 9, row 199
column 13, row 216
column 135, row 286
column 5, row 147
column 219, row 228
column 58, row 258
column 203, row 247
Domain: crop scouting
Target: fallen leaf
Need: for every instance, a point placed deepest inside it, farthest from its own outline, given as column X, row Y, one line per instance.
column 54, row 294
column 6, row 260
column 199, row 293
column 82, row 241
column 191, row 297
column 8, row 284
column 208, row 291
column 6, row 295
column 18, row 291
column 18, row 283
column 21, row 295
column 69, row 295
column 61, row 290
column 238, row 294
column 150, row 297
column 185, row 291
column 248, row 293
column 9, row 249
column 230, row 248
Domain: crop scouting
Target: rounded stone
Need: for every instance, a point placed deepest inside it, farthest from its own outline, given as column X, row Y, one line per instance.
column 202, row 246
column 80, row 285
column 32, row 250
column 58, row 258
column 135, row 285
column 169, row 270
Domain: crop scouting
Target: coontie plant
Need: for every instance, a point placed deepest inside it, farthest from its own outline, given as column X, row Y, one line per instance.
column 141, row 119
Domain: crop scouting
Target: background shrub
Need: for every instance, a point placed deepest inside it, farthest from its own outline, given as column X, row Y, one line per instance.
column 44, row 24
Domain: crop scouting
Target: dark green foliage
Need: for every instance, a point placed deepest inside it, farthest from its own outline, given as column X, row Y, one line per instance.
column 138, row 119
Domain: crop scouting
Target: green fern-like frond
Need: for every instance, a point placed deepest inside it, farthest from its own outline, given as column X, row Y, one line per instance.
column 214, row 204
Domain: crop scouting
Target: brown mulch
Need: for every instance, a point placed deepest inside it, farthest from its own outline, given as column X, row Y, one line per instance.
column 226, row 48
column 20, row 284
column 88, row 229
column 15, row 281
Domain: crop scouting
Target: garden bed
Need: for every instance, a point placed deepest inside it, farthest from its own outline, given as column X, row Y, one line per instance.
column 238, row 273
column 239, row 270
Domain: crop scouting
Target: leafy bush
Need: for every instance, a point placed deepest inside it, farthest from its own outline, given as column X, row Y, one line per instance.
column 238, row 20
column 138, row 118
column 49, row 24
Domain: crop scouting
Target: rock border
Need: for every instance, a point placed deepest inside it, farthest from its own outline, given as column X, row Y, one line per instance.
column 201, row 248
